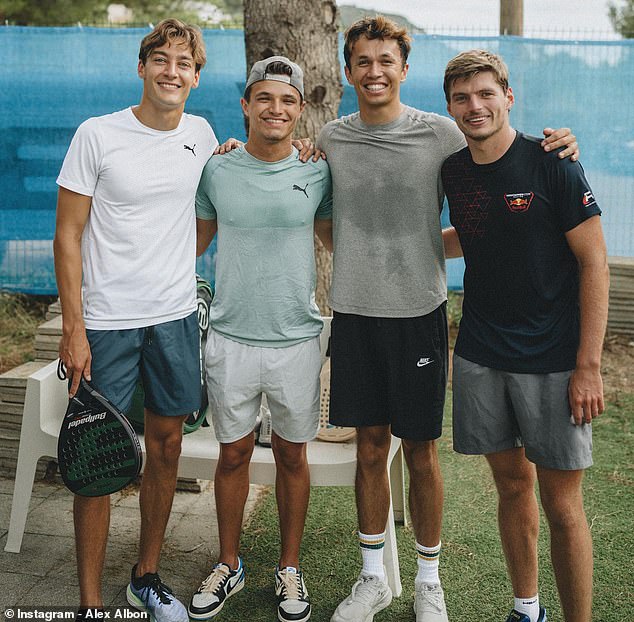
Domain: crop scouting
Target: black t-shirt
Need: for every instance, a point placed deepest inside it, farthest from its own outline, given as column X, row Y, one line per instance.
column 521, row 284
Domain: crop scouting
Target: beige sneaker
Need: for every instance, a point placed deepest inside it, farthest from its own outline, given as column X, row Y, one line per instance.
column 369, row 596
column 429, row 603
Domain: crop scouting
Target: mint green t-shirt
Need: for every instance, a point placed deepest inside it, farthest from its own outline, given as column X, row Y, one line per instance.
column 265, row 262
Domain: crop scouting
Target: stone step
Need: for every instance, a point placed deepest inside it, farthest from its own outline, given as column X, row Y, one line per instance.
column 54, row 310
column 11, row 410
column 51, row 327
column 12, row 395
column 17, row 376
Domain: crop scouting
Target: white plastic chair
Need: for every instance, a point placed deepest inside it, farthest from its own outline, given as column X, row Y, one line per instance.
column 331, row 464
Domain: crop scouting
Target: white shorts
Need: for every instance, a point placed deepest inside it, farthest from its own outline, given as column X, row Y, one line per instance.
column 238, row 375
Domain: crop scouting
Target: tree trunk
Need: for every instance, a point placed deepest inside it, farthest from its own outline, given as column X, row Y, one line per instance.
column 512, row 17
column 305, row 31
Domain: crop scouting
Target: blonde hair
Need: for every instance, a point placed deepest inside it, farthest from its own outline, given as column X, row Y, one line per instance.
column 378, row 27
column 171, row 30
column 468, row 64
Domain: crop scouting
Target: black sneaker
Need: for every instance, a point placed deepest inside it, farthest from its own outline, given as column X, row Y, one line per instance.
column 516, row 616
column 214, row 591
column 292, row 596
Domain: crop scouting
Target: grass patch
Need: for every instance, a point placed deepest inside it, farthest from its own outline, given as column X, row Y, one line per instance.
column 20, row 316
column 472, row 563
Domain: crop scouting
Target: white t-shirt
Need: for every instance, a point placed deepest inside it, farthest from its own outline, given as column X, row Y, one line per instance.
column 139, row 244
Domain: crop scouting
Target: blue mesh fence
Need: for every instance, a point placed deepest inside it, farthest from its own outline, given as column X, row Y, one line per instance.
column 54, row 78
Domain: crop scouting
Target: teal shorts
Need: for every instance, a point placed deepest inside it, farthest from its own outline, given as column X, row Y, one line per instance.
column 165, row 357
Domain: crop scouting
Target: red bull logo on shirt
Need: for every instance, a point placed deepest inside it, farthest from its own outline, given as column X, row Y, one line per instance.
column 519, row 201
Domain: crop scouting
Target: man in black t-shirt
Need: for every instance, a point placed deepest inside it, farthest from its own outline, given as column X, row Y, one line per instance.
column 527, row 380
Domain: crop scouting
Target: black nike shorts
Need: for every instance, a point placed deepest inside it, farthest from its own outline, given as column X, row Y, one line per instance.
column 390, row 371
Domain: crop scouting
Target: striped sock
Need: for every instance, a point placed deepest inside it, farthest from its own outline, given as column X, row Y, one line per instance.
column 372, row 554
column 428, row 562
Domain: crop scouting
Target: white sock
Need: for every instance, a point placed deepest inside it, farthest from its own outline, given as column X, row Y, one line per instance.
column 428, row 562
column 528, row 606
column 372, row 546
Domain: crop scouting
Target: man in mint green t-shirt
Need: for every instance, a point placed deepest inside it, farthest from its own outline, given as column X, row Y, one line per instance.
column 265, row 205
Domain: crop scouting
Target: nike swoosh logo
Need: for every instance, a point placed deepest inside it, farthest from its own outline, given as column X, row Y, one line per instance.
column 423, row 362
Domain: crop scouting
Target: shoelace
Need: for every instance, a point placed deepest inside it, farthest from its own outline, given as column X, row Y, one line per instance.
column 430, row 597
column 362, row 591
column 160, row 589
column 291, row 585
column 214, row 581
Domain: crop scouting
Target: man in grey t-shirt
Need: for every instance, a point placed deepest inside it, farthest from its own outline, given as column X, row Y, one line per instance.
column 389, row 331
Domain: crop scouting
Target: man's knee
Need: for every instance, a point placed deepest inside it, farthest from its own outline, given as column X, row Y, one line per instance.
column 565, row 510
column 421, row 458
column 290, row 457
column 514, row 475
column 373, row 445
column 236, row 455
column 514, row 485
column 163, row 437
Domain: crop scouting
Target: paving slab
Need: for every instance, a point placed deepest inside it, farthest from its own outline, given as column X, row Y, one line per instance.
column 39, row 554
column 14, row 587
column 53, row 517
column 44, row 572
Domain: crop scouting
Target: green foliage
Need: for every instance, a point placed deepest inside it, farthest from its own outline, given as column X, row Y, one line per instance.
column 454, row 309
column 19, row 317
column 350, row 14
column 95, row 12
column 88, row 12
column 622, row 18
column 234, row 8
column 146, row 11
column 52, row 12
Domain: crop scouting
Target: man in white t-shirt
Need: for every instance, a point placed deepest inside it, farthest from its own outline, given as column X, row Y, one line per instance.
column 125, row 242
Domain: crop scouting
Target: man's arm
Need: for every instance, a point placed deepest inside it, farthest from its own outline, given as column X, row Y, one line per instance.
column 74, row 351
column 205, row 231
column 451, row 242
column 323, row 230
column 585, row 390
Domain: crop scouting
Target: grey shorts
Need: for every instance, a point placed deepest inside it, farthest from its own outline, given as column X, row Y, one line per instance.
column 239, row 374
column 495, row 410
column 166, row 357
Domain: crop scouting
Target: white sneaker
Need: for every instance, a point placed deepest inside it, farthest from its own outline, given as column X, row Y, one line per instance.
column 292, row 595
column 429, row 603
column 369, row 596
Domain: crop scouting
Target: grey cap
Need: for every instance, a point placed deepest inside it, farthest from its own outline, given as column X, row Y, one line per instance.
column 259, row 72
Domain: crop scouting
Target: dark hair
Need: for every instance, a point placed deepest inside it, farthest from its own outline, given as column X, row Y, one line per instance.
column 276, row 68
column 171, row 30
column 378, row 27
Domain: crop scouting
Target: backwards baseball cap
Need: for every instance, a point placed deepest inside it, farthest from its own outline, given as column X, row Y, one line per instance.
column 263, row 70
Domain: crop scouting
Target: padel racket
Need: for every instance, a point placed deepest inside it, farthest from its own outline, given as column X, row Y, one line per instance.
column 98, row 452
column 204, row 297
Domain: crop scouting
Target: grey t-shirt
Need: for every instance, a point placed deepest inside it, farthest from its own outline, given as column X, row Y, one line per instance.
column 387, row 197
